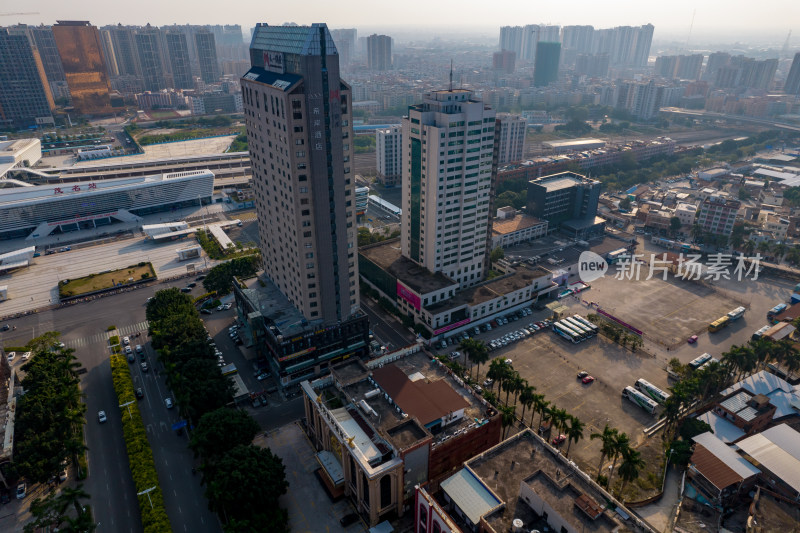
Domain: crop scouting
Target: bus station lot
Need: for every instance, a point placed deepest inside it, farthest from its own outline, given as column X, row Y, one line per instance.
column 667, row 311
column 551, row 364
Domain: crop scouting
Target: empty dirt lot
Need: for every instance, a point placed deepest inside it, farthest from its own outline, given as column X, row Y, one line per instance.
column 551, row 364
column 668, row 312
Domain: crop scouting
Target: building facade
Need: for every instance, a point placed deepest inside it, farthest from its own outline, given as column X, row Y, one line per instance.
column 298, row 120
column 84, row 67
column 149, row 51
column 562, row 197
column 388, row 151
column 25, row 98
column 207, row 56
column 449, row 144
column 792, row 85
column 545, row 69
column 379, row 52
column 178, row 51
column 510, row 138
column 717, row 215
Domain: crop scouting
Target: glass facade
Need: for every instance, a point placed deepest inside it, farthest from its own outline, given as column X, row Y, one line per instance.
column 416, row 194
column 19, row 216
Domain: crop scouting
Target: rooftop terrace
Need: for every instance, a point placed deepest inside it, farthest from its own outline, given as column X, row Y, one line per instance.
column 387, row 255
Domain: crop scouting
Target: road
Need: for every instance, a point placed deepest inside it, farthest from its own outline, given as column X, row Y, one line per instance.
column 388, row 331
column 114, row 499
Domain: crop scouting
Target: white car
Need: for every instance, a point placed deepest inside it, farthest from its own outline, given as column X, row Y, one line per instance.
column 128, row 349
column 220, row 308
column 10, row 356
column 126, row 341
column 228, row 305
column 168, row 402
column 26, row 356
column 101, row 416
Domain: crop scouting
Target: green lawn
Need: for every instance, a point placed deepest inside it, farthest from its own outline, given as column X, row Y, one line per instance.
column 106, row 280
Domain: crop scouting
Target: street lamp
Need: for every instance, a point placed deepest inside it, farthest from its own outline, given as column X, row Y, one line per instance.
column 128, row 405
column 147, row 491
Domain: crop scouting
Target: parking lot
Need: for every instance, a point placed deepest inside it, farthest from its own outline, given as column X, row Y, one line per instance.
column 551, row 364
column 668, row 312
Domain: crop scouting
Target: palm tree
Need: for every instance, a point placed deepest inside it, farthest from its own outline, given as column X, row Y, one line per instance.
column 507, row 417
column 696, row 231
column 632, row 464
column 519, row 385
column 780, row 250
column 560, row 417
column 508, row 385
column 782, row 350
column 750, row 246
column 526, row 398
column 468, row 347
column 793, row 256
column 792, row 362
column 621, row 443
column 539, row 406
column 761, row 349
column 764, row 247
column 608, row 437
column 498, row 371
column 480, row 355
column 575, row 431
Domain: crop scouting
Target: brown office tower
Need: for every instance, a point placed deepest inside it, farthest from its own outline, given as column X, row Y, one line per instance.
column 81, row 54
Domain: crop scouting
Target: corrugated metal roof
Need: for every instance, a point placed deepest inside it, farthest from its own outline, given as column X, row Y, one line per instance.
column 747, row 414
column 778, row 450
column 469, row 494
column 726, row 455
column 301, row 40
column 736, row 403
column 760, row 383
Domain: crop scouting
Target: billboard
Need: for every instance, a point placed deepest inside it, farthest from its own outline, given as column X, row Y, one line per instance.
column 454, row 325
column 408, row 296
column 273, row 62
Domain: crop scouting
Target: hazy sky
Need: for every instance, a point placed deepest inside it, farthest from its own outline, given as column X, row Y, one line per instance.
column 670, row 18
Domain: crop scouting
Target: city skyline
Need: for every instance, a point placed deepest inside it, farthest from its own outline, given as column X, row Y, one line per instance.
column 707, row 20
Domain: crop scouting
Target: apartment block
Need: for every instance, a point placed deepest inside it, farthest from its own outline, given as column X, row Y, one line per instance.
column 510, row 137
column 388, row 155
column 717, row 215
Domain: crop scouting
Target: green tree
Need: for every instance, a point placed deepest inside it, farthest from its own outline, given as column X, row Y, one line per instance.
column 621, row 445
column 220, row 278
column 608, row 440
column 246, row 484
column 674, row 225
column 625, row 204
column 632, row 464
column 574, row 431
column 221, row 430
column 479, row 356
column 496, row 255
column 200, row 388
column 507, row 417
column 750, row 247
column 540, row 405
column 526, row 398
column 166, row 303
column 54, row 511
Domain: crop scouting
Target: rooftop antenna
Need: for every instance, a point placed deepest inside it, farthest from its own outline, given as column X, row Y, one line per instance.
column 451, row 75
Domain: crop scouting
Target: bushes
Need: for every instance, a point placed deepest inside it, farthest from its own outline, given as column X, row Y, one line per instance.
column 113, row 340
column 140, row 455
column 111, row 328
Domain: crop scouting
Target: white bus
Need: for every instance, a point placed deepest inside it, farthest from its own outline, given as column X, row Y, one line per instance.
column 645, row 402
column 586, row 323
column 696, row 363
column 577, row 326
column 572, row 328
column 567, row 332
column 651, row 390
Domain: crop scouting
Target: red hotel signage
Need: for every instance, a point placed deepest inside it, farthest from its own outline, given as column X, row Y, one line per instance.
column 408, row 296
column 452, row 326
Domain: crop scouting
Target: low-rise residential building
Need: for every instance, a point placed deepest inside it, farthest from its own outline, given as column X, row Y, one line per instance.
column 658, row 219
column 515, row 229
column 686, row 213
column 717, row 472
column 774, row 223
column 521, row 484
column 776, row 452
column 718, row 214
column 383, row 427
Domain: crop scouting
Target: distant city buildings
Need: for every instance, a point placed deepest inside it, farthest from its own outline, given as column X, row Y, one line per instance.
column 504, row 61
column 685, row 67
column 379, row 52
column 388, row 155
column 545, row 69
column 792, row 85
column 346, row 41
column 207, row 56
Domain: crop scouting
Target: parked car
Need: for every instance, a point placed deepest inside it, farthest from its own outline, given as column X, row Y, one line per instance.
column 101, row 416
column 559, row 440
column 144, row 366
column 692, row 339
column 582, row 374
column 186, row 289
column 587, row 379
column 131, row 359
column 509, row 361
column 126, row 341
column 228, row 305
column 168, row 402
column 206, row 311
column 263, row 400
column 192, row 285
column 22, row 489
column 139, row 393
column 26, row 356
column 220, row 307
column 10, row 356
column 488, row 382
column 128, row 349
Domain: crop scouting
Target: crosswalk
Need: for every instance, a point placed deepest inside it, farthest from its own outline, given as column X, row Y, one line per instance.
column 122, row 331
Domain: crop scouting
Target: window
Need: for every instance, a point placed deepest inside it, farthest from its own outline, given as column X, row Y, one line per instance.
column 423, row 515
column 386, row 491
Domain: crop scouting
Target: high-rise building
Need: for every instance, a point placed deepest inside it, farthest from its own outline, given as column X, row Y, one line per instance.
column 594, row 65
column 578, row 38
column 388, row 151
column 25, row 98
column 48, row 51
column 716, row 61
column 178, row 49
column 81, row 54
column 148, row 48
column 683, row 67
column 298, row 113
column 510, row 139
column 207, row 56
column 446, row 199
column 345, row 40
column 303, row 315
column 503, row 61
column 641, row 46
column 792, row 85
column 108, row 53
column 511, row 39
column 379, row 52
column 545, row 68
column 533, row 34
column 124, row 47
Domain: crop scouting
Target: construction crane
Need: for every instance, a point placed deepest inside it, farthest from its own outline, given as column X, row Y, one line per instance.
column 14, row 14
column 785, row 49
